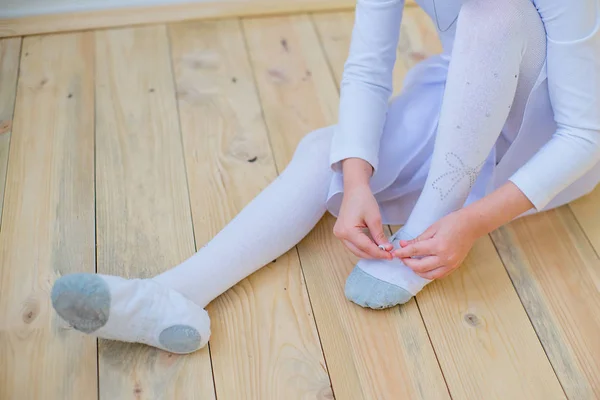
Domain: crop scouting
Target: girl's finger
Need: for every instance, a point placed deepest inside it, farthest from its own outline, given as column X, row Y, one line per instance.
column 435, row 274
column 376, row 231
column 428, row 234
column 362, row 242
column 417, row 249
column 422, row 265
column 358, row 253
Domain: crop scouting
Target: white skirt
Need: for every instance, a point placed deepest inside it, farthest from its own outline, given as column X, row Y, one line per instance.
column 408, row 139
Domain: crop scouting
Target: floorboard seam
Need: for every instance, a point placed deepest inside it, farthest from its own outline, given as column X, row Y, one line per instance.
column 12, row 118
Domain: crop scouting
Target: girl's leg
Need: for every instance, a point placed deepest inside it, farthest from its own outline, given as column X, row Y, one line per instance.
column 271, row 224
column 167, row 310
column 499, row 50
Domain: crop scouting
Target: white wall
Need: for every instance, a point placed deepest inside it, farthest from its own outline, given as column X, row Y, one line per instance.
column 20, row 8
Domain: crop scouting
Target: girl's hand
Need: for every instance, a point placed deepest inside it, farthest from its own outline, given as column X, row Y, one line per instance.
column 440, row 249
column 360, row 211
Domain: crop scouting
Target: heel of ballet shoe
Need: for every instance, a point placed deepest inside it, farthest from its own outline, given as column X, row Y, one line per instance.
column 181, row 339
column 368, row 291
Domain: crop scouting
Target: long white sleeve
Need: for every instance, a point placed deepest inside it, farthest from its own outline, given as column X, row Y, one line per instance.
column 366, row 85
column 573, row 67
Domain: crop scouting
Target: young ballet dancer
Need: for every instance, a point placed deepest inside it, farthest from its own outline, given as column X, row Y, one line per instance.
column 504, row 123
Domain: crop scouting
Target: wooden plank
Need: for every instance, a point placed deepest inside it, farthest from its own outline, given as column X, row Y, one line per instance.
column 586, row 211
column 486, row 350
column 369, row 354
column 181, row 11
column 143, row 211
column 9, row 69
column 48, row 226
column 418, row 40
column 484, row 341
column 557, row 275
column 264, row 342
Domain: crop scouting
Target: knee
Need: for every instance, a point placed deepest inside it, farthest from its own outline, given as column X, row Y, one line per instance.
column 311, row 160
column 496, row 21
column 315, row 145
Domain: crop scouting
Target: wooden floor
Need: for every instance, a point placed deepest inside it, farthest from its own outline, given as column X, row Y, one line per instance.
column 122, row 151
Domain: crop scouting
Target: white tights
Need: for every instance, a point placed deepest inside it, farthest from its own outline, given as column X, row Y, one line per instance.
column 498, row 53
column 271, row 224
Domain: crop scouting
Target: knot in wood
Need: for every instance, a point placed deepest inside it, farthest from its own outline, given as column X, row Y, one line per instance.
column 31, row 310
column 472, row 319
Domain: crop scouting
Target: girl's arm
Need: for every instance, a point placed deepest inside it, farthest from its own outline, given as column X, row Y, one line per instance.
column 367, row 84
column 496, row 209
column 573, row 68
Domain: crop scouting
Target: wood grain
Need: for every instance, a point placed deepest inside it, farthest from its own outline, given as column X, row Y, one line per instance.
column 557, row 275
column 470, row 330
column 143, row 211
column 369, row 354
column 418, row 40
column 181, row 11
column 48, row 226
column 264, row 343
column 9, row 69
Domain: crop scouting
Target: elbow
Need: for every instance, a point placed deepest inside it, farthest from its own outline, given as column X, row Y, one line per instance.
column 371, row 70
column 368, row 77
column 587, row 140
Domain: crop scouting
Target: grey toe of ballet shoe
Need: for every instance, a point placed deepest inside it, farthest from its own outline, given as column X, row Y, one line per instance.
column 83, row 300
column 370, row 292
column 180, row 339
